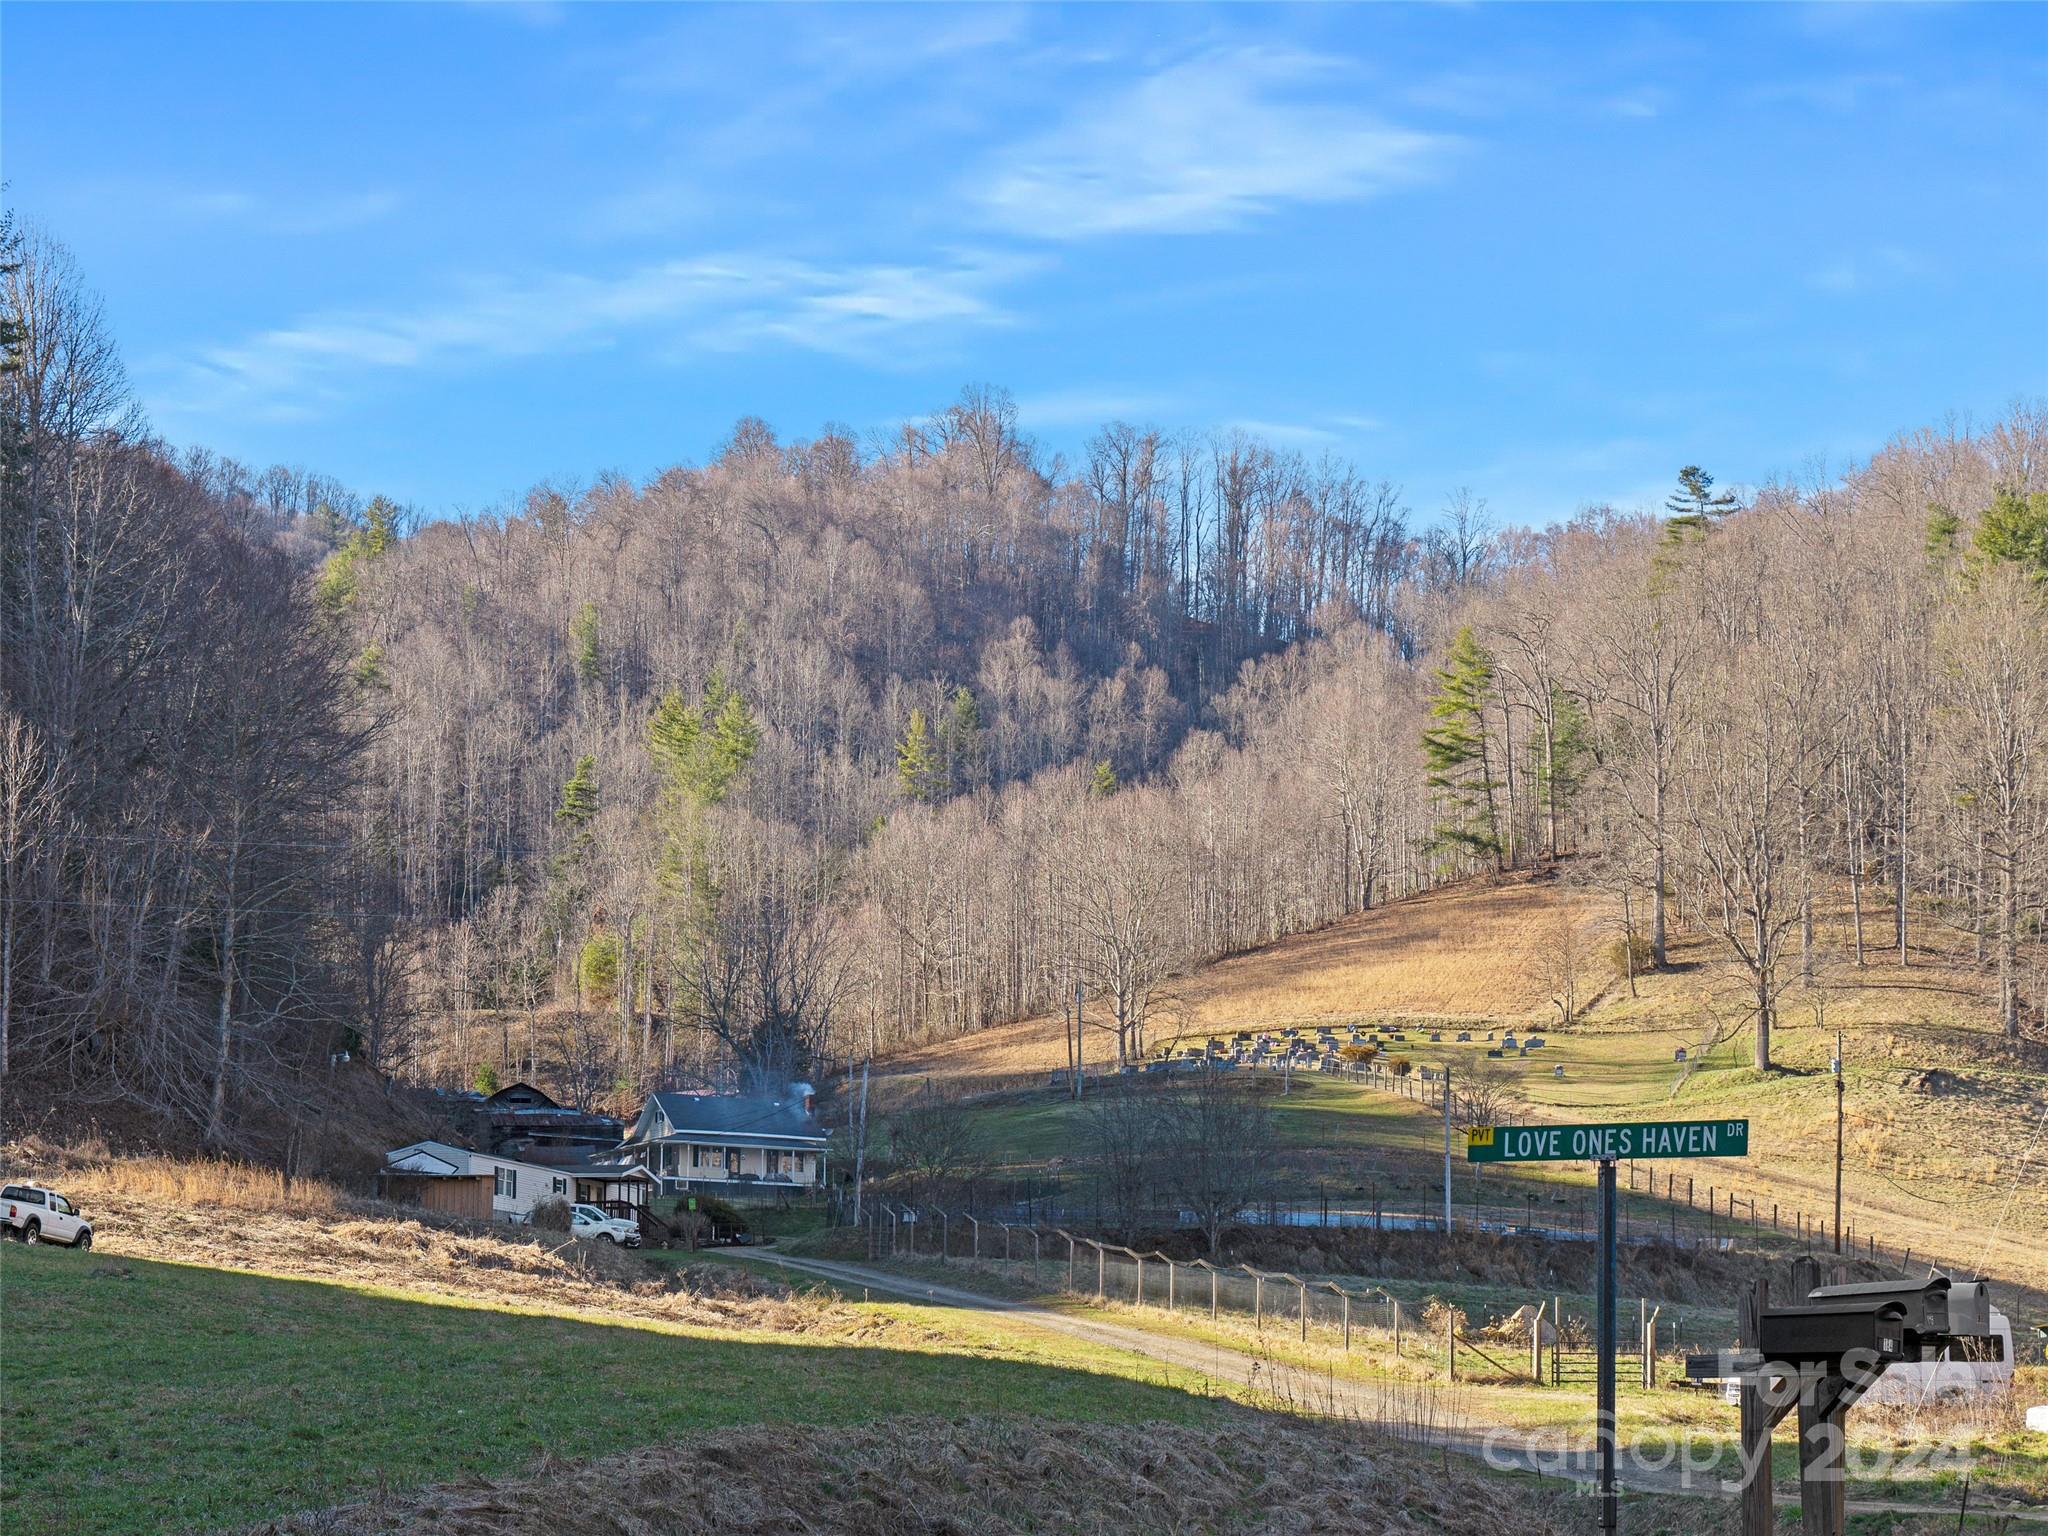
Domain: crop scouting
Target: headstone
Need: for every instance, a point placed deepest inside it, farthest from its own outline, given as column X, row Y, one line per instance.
column 1679, row 1054
column 2037, row 1418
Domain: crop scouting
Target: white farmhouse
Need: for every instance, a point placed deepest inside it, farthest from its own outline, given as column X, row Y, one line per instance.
column 730, row 1144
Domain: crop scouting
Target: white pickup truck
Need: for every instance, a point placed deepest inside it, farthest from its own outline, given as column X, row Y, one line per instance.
column 31, row 1213
column 591, row 1224
column 587, row 1221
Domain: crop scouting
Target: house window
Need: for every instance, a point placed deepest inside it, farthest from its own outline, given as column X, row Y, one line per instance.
column 508, row 1183
column 561, row 1186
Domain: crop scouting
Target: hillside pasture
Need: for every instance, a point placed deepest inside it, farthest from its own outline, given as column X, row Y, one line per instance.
column 1945, row 1121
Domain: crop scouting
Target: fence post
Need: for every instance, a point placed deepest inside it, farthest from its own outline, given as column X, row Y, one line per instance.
column 1140, row 1258
column 1301, row 1300
column 1347, row 1320
column 1100, row 1263
column 1536, row 1345
column 1258, row 1300
column 1169, row 1285
column 1451, row 1346
column 1212, row 1293
column 1397, row 1330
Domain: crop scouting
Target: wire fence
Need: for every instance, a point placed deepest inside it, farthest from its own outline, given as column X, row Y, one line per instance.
column 1657, row 1205
column 1540, row 1341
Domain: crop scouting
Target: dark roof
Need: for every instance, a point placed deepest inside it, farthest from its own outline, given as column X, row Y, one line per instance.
column 521, row 1094
column 737, row 1115
column 606, row 1170
column 522, row 1114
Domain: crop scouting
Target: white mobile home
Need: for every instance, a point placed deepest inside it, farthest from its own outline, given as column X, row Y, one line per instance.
column 516, row 1186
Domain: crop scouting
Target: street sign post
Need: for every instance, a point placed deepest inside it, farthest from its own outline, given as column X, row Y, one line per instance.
column 1604, row 1144
column 1629, row 1139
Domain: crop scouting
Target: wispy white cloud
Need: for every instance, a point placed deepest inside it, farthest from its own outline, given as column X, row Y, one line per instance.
column 730, row 302
column 1882, row 267
column 1295, row 434
column 1646, row 101
column 1201, row 145
column 287, row 213
column 1839, row 92
column 1320, row 431
column 1086, row 407
column 540, row 15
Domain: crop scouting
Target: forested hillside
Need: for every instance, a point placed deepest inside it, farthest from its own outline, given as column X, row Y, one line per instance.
column 829, row 745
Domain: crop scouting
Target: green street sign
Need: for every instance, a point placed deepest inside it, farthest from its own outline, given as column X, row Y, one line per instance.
column 1631, row 1139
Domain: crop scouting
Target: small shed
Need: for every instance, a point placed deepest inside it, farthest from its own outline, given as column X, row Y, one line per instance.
column 451, row 1194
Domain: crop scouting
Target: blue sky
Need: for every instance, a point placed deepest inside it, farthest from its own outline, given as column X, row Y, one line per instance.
column 446, row 252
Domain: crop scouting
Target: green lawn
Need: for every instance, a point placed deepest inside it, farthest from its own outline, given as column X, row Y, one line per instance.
column 170, row 1397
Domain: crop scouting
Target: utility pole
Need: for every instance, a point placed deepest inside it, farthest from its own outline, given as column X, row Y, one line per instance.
column 1447, row 1149
column 860, row 1145
column 1067, row 1037
column 1080, row 1064
column 1841, row 1089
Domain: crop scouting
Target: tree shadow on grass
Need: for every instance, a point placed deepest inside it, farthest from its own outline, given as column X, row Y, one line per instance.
column 161, row 1397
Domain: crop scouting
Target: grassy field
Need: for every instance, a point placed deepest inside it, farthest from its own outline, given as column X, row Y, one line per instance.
column 1943, row 1116
column 146, row 1397
column 2006, row 1461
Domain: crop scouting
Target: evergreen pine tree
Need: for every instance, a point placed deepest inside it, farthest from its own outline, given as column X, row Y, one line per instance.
column 585, row 653
column 579, row 795
column 1455, row 752
column 918, row 773
column 1694, row 507
column 672, row 733
column 734, row 737
column 1559, row 779
column 2014, row 530
column 701, row 749
column 341, row 577
column 960, row 733
column 1104, row 782
column 1944, row 531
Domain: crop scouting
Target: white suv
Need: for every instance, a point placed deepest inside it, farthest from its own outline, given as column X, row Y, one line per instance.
column 38, row 1215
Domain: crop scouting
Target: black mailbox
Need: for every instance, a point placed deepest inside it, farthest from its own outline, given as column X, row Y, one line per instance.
column 1828, row 1330
column 1893, row 1321
column 1937, row 1310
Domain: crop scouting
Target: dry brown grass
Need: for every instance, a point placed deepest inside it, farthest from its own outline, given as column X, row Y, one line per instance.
column 223, row 1216
column 987, row 1477
column 225, row 1186
column 1466, row 952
